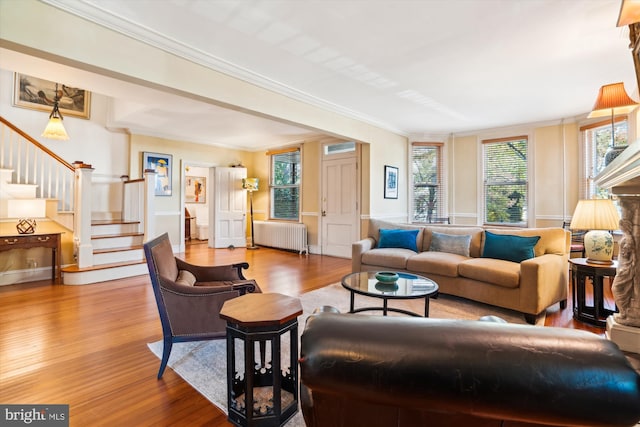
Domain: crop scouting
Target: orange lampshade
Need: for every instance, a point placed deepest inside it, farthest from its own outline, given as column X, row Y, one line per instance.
column 629, row 12
column 612, row 99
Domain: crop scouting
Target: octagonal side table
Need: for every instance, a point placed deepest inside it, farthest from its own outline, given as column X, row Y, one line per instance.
column 259, row 392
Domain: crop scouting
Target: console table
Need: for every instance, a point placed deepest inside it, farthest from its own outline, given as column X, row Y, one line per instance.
column 38, row 240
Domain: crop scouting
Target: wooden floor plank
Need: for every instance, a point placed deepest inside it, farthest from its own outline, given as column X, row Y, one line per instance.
column 86, row 346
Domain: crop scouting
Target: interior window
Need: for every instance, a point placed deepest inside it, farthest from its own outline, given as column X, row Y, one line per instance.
column 286, row 173
column 427, row 197
column 505, row 170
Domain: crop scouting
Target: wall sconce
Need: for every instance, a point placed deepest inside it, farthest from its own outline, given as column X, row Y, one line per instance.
column 55, row 129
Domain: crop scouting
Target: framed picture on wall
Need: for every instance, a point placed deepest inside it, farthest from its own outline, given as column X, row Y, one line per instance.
column 390, row 182
column 162, row 165
column 39, row 94
column 196, row 190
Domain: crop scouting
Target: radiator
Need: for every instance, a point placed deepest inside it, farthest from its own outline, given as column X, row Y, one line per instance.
column 281, row 235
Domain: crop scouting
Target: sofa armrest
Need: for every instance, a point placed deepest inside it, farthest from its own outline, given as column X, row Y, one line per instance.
column 358, row 249
column 543, row 282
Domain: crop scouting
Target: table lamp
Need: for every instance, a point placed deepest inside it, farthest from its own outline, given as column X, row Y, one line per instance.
column 598, row 216
column 26, row 210
column 251, row 185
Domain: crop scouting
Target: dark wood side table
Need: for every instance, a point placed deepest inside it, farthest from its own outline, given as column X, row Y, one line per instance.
column 38, row 240
column 265, row 394
column 581, row 270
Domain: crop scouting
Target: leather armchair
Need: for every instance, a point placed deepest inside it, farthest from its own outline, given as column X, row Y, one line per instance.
column 379, row 371
column 189, row 297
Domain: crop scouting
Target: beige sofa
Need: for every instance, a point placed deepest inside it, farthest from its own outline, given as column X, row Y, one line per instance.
column 530, row 286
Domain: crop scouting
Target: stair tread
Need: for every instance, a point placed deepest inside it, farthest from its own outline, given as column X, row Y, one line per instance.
column 120, row 249
column 75, row 269
column 111, row 236
column 113, row 221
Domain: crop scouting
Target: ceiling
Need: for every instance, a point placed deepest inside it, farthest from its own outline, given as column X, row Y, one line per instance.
column 429, row 67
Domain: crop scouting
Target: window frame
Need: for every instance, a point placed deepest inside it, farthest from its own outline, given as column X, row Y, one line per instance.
column 589, row 158
column 441, row 207
column 526, row 212
column 274, row 187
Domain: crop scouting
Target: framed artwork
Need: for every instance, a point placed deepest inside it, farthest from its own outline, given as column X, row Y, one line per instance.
column 634, row 38
column 390, row 182
column 162, row 164
column 196, row 189
column 38, row 94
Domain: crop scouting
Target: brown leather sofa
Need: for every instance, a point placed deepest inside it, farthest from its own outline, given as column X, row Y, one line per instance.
column 406, row 372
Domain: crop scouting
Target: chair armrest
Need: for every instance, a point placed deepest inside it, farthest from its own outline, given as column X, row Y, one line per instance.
column 246, row 286
column 208, row 273
column 185, row 290
column 543, row 282
column 357, row 250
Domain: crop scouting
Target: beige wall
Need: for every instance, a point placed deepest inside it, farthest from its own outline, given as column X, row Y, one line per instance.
column 554, row 182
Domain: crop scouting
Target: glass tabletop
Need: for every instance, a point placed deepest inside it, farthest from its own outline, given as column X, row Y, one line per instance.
column 407, row 285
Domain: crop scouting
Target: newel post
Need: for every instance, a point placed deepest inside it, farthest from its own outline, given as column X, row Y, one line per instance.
column 149, row 204
column 82, row 215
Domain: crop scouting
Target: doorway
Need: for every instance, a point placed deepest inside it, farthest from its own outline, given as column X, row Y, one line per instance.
column 197, row 203
column 340, row 220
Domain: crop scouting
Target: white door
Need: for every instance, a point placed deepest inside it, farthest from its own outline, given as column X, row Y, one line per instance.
column 229, row 209
column 340, row 221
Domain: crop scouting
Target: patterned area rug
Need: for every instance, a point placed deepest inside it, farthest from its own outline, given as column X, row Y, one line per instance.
column 203, row 364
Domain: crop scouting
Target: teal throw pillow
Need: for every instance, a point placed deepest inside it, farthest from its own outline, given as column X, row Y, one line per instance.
column 451, row 243
column 398, row 239
column 509, row 247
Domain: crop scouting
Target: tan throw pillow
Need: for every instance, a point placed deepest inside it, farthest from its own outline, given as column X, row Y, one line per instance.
column 185, row 278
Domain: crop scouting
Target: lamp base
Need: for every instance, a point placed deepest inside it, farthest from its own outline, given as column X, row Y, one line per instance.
column 253, row 247
column 598, row 246
column 597, row 261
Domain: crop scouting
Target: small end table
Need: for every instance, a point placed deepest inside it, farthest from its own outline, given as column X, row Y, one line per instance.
column 581, row 269
column 264, row 394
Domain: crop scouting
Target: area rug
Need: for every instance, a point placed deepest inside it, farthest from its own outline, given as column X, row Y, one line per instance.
column 203, row 364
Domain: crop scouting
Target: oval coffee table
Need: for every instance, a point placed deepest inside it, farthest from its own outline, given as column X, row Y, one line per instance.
column 408, row 286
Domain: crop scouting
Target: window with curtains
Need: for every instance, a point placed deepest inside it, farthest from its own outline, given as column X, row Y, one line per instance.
column 427, row 197
column 505, row 170
column 597, row 141
column 286, row 173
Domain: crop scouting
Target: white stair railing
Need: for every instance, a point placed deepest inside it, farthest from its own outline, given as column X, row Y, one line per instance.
column 33, row 163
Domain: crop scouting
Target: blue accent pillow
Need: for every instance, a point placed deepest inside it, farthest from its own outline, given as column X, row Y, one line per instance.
column 398, row 239
column 509, row 247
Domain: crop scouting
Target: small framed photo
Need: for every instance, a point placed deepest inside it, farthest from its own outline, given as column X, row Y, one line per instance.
column 196, row 189
column 162, row 164
column 39, row 94
column 390, row 182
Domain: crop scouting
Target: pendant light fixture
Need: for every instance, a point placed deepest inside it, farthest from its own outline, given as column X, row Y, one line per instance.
column 55, row 128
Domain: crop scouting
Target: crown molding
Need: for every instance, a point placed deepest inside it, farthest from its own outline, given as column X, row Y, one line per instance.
column 94, row 13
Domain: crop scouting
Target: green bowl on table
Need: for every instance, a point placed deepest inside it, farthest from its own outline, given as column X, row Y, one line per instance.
column 387, row 276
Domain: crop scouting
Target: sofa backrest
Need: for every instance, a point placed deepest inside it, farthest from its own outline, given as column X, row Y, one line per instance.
column 554, row 240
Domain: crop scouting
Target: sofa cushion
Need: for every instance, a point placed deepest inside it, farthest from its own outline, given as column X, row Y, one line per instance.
column 509, row 247
column 495, row 271
column 450, row 243
column 185, row 278
column 390, row 258
column 476, row 233
column 392, row 238
column 376, row 224
column 442, row 263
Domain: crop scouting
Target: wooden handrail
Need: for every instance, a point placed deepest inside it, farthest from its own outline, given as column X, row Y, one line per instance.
column 36, row 143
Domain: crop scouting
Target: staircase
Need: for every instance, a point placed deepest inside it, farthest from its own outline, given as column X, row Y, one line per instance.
column 103, row 249
column 117, row 253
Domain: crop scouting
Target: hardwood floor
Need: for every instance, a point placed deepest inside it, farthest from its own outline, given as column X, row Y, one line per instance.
column 86, row 346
